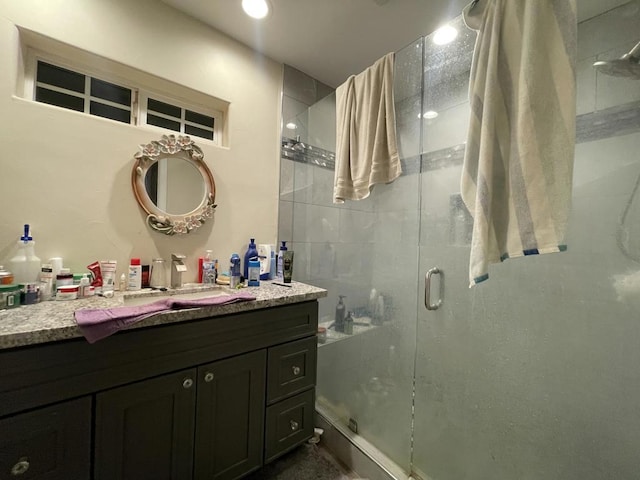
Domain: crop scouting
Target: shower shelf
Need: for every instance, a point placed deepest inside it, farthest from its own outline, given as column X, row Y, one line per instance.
column 333, row 336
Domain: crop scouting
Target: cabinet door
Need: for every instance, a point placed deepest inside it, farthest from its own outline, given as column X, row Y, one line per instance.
column 145, row 430
column 51, row 443
column 230, row 417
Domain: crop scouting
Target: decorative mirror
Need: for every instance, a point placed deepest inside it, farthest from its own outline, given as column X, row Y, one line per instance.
column 173, row 184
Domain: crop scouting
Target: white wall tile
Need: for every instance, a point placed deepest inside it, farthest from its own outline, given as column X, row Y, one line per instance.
column 313, row 223
column 586, row 86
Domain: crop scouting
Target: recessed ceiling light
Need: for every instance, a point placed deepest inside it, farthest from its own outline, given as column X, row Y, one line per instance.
column 444, row 35
column 255, row 8
column 430, row 115
column 291, row 126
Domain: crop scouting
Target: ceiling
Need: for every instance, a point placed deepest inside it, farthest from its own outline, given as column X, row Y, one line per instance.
column 332, row 39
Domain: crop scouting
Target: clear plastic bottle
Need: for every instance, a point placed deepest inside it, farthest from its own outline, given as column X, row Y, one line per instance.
column 208, row 268
column 25, row 265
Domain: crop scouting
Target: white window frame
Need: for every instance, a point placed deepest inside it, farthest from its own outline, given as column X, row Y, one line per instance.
column 215, row 114
column 139, row 96
column 31, row 83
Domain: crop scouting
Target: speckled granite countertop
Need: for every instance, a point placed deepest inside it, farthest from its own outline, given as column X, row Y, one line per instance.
column 53, row 321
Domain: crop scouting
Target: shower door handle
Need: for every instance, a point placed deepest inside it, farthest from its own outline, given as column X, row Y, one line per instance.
column 427, row 289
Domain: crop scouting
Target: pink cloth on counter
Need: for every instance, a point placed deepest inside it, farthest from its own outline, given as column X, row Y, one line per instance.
column 98, row 323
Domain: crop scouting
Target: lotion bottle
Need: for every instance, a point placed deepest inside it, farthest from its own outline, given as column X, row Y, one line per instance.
column 280, row 262
column 135, row 275
column 340, row 315
column 252, row 251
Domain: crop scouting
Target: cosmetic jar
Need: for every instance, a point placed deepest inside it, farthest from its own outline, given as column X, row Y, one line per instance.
column 67, row 292
column 6, row 277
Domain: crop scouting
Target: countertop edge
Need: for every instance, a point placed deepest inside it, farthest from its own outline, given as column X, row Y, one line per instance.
column 48, row 326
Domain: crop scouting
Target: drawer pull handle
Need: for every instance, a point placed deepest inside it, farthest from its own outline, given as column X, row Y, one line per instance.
column 208, row 377
column 21, row 467
column 294, row 425
column 296, row 370
column 187, row 383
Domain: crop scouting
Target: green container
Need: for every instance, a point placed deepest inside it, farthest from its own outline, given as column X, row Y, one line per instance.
column 9, row 296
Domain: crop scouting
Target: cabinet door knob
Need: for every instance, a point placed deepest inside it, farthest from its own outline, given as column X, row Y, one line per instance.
column 294, row 425
column 208, row 377
column 296, row 370
column 187, row 383
column 21, row 467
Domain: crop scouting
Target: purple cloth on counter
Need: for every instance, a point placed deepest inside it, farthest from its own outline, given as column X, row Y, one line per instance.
column 98, row 323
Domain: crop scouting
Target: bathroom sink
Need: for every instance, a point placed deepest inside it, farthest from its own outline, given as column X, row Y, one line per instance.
column 147, row 297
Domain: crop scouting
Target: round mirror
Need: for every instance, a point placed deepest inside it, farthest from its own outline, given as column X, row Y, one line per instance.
column 173, row 185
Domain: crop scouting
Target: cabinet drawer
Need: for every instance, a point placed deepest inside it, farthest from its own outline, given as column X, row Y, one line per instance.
column 51, row 443
column 291, row 368
column 289, row 423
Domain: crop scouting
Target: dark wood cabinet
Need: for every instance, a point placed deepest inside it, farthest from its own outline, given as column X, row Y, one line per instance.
column 145, row 431
column 206, row 399
column 50, row 443
column 230, row 417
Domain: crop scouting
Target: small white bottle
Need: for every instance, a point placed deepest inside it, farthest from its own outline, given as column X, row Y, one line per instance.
column 135, row 275
column 83, row 291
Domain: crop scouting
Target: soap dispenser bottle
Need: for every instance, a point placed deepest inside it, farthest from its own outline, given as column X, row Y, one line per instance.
column 340, row 315
column 252, row 251
column 280, row 262
column 25, row 265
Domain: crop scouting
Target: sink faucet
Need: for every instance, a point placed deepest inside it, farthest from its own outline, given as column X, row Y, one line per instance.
column 177, row 268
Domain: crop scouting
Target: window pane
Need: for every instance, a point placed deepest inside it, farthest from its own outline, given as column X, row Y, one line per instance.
column 63, row 100
column 161, row 107
column 198, row 132
column 110, row 91
column 163, row 122
column 60, row 77
column 199, row 118
column 107, row 111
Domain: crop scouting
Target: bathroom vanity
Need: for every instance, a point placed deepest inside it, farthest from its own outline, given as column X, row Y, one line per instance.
column 212, row 392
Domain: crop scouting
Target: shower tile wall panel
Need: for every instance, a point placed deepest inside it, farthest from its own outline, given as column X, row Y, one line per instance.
column 408, row 129
column 586, row 86
column 302, row 87
column 315, row 223
column 610, row 30
column 447, row 130
column 406, row 61
column 322, row 124
column 285, row 221
column 287, row 171
column 613, row 91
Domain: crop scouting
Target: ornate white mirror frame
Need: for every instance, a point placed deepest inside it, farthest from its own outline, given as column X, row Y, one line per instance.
column 169, row 147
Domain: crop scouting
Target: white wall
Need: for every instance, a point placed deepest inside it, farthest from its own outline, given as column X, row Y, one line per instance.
column 68, row 174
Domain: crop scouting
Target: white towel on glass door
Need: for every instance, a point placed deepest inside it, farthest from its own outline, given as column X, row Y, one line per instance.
column 518, row 165
column 366, row 146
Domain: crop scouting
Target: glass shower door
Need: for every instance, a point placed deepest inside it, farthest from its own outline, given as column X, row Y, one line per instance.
column 533, row 373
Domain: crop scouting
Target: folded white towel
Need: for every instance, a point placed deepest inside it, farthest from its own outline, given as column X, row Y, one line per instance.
column 366, row 146
column 518, row 164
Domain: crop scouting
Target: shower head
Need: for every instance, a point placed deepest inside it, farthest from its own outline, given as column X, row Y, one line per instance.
column 626, row 66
